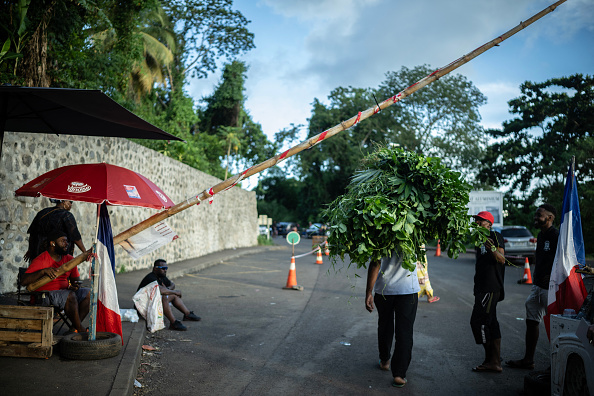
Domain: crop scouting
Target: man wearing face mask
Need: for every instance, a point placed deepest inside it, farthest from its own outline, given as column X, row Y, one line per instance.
column 537, row 301
column 63, row 292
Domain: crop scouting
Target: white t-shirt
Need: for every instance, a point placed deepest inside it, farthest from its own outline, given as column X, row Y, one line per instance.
column 395, row 280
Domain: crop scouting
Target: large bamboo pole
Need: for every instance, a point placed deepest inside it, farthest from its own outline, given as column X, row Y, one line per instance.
column 362, row 115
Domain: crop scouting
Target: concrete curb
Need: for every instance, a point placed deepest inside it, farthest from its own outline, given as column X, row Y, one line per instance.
column 123, row 383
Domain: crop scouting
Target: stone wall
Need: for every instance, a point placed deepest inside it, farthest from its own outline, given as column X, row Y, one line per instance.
column 229, row 222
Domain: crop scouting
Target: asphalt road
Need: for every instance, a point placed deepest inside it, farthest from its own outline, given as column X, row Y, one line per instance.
column 258, row 339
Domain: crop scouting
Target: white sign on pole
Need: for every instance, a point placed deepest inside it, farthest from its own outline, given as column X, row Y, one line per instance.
column 491, row 201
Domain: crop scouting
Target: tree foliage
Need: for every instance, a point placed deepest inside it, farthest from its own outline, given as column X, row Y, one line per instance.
column 555, row 121
column 440, row 120
column 140, row 53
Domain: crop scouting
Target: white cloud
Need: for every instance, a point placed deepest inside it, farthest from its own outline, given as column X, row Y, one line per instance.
column 498, row 94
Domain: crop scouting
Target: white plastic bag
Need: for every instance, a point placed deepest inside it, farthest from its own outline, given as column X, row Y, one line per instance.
column 129, row 315
column 148, row 302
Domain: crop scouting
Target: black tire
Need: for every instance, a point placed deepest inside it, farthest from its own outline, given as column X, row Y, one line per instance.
column 78, row 347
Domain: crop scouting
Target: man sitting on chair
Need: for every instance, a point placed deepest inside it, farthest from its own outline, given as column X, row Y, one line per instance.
column 63, row 292
column 168, row 295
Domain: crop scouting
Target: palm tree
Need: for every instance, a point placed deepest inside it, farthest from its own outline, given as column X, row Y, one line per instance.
column 232, row 140
column 158, row 41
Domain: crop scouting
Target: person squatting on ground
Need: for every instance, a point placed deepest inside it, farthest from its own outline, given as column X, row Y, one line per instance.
column 537, row 301
column 63, row 292
column 168, row 295
column 424, row 283
column 488, row 291
column 396, row 298
column 48, row 220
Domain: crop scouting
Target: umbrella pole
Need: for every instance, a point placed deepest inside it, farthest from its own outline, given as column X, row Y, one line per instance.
column 95, row 286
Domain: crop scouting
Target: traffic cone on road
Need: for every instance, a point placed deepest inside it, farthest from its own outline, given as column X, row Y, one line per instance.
column 292, row 278
column 527, row 279
column 319, row 256
column 438, row 251
column 327, row 251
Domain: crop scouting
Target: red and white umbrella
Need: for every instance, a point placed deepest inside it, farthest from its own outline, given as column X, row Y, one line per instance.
column 97, row 183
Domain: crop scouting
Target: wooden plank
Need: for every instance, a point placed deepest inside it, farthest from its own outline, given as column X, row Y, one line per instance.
column 20, row 336
column 16, row 350
column 16, row 312
column 21, row 324
column 47, row 332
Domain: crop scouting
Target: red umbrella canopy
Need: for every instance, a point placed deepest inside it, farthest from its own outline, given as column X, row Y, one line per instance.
column 97, row 183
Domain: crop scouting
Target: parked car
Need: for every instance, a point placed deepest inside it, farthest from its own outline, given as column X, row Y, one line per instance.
column 313, row 229
column 519, row 241
column 285, row 227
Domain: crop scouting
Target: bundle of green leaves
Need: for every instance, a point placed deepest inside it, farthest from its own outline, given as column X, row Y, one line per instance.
column 397, row 202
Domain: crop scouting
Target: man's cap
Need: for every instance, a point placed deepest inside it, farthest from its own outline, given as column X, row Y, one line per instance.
column 485, row 216
column 56, row 234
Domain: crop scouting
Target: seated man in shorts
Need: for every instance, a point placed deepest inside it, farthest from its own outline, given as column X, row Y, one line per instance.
column 168, row 295
column 63, row 292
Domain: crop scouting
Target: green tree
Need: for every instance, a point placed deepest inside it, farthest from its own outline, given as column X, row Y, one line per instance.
column 279, row 196
column 225, row 119
column 208, row 30
column 440, row 120
column 531, row 154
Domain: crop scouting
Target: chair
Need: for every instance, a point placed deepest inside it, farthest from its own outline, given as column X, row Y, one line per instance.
column 59, row 315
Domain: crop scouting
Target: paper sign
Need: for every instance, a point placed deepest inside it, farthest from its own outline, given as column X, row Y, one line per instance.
column 149, row 240
column 132, row 191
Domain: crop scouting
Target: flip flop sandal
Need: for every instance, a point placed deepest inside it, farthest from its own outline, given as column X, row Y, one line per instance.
column 382, row 367
column 394, row 384
column 482, row 369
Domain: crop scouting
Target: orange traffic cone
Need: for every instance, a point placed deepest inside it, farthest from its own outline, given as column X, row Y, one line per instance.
column 327, row 251
column 292, row 278
column 438, row 251
column 527, row 279
column 319, row 256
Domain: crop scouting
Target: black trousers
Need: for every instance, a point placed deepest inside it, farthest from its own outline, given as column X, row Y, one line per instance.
column 397, row 315
column 483, row 320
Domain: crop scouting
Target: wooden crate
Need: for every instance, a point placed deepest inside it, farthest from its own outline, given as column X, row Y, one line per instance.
column 26, row 331
column 318, row 239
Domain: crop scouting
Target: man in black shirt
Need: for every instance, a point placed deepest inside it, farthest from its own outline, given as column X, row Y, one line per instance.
column 488, row 290
column 47, row 221
column 537, row 301
column 168, row 295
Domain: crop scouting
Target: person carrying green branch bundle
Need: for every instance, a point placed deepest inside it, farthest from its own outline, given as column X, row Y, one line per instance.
column 488, row 290
column 396, row 298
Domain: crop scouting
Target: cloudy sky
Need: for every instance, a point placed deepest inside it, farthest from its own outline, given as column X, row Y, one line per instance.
column 306, row 48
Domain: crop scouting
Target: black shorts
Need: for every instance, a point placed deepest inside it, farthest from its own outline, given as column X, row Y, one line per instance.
column 483, row 321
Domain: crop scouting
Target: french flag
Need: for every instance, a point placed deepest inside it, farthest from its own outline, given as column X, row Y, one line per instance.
column 108, row 309
column 566, row 287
